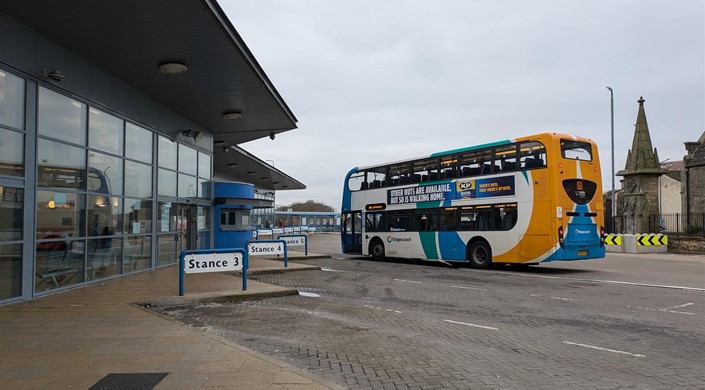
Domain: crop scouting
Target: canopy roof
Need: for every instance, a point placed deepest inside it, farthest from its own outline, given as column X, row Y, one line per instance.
column 131, row 38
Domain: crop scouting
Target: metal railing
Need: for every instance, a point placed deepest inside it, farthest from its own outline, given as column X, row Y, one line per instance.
column 690, row 224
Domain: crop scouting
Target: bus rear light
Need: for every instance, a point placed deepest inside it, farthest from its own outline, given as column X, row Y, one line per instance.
column 560, row 237
column 602, row 236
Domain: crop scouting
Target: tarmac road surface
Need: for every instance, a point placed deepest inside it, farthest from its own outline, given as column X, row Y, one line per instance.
column 630, row 321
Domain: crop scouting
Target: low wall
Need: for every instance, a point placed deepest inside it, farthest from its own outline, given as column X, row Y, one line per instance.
column 686, row 245
column 637, row 243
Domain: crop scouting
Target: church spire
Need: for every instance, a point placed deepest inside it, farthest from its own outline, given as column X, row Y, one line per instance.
column 642, row 158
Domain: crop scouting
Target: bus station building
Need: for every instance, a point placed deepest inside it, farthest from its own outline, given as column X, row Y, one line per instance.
column 117, row 120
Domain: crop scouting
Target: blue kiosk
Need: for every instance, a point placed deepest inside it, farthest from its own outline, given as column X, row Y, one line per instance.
column 233, row 203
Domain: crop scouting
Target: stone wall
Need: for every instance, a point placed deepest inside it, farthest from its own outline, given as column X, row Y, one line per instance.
column 638, row 202
column 686, row 245
column 696, row 178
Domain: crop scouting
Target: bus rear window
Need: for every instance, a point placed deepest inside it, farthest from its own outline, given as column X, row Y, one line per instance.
column 576, row 150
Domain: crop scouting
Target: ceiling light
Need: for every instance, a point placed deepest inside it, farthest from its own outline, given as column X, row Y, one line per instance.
column 196, row 135
column 251, row 172
column 265, row 178
column 232, row 164
column 172, row 68
column 230, row 115
column 226, row 149
column 54, row 75
column 275, row 182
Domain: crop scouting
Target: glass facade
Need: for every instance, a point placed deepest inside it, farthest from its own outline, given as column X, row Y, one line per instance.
column 11, row 153
column 11, row 100
column 61, row 118
column 183, row 177
column 94, row 193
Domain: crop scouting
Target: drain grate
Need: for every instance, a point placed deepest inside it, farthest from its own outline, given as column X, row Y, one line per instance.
column 140, row 381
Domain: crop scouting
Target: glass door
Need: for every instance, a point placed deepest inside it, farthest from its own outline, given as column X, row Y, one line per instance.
column 352, row 232
column 186, row 227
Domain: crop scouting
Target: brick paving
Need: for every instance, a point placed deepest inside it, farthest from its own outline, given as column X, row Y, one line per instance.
column 387, row 325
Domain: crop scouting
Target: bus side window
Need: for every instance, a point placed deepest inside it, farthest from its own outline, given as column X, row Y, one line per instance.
column 506, row 216
column 375, row 177
column 470, row 164
column 532, row 155
column 505, row 158
column 424, row 220
column 397, row 222
column 468, row 220
column 448, row 220
column 448, row 168
column 374, row 222
column 422, row 170
column 398, row 175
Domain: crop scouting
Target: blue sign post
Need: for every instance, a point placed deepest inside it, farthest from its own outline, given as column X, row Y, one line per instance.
column 213, row 260
column 295, row 240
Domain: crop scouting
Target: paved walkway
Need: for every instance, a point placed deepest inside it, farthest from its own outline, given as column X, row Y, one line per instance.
column 73, row 339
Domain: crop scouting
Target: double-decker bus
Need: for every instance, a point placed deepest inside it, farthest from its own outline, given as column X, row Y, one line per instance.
column 522, row 201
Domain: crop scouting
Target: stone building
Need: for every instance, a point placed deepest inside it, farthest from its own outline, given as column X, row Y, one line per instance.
column 693, row 182
column 669, row 195
column 640, row 183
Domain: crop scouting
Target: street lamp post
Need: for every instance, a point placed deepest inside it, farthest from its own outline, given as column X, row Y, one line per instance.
column 614, row 206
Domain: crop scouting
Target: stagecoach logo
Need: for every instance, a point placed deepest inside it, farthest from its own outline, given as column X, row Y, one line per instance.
column 578, row 231
column 579, row 192
column 391, row 239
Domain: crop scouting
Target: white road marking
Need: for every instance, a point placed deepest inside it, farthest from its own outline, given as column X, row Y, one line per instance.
column 470, row 288
column 407, row 281
column 558, row 298
column 661, row 310
column 681, row 306
column 467, row 324
column 610, row 282
column 327, row 269
column 380, row 308
column 309, row 294
column 603, row 349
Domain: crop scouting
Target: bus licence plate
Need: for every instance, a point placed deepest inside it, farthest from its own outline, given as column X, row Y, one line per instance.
column 582, row 253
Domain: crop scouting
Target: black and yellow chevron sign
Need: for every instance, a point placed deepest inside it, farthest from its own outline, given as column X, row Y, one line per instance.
column 613, row 239
column 659, row 239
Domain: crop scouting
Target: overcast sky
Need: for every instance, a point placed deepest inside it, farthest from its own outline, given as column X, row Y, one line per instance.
column 377, row 81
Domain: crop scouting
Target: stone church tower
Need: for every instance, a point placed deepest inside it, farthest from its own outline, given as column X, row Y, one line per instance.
column 640, row 180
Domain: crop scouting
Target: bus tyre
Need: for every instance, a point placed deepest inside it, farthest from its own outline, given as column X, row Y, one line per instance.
column 480, row 255
column 377, row 249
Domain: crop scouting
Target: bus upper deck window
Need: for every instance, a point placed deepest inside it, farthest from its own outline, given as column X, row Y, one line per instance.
column 576, row 150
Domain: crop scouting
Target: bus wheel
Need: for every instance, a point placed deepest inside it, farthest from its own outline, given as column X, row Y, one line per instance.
column 377, row 249
column 480, row 255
